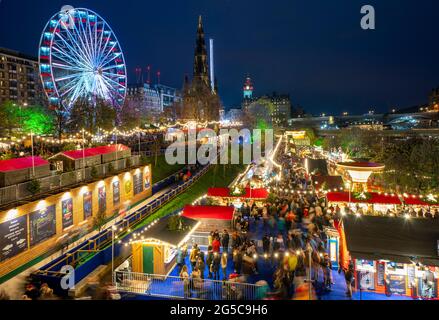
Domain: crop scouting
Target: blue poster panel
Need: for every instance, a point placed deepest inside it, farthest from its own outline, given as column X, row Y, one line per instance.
column 397, row 283
column 116, row 192
column 13, row 237
column 138, row 183
column 42, row 225
column 102, row 199
column 67, row 213
column 88, row 205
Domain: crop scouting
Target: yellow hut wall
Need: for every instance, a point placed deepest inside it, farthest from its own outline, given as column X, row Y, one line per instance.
column 127, row 199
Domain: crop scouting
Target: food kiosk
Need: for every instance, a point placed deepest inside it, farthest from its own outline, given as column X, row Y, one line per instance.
column 156, row 250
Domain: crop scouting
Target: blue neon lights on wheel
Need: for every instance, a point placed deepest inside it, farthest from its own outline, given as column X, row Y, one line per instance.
column 80, row 57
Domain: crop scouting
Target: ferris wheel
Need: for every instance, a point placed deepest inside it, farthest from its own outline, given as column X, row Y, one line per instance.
column 80, row 57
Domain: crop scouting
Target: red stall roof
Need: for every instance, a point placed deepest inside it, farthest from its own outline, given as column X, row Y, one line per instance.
column 208, row 212
column 416, row 202
column 91, row 152
column 375, row 198
column 260, row 193
column 21, row 163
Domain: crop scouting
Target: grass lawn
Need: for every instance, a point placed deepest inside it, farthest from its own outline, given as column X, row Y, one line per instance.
column 215, row 177
column 162, row 170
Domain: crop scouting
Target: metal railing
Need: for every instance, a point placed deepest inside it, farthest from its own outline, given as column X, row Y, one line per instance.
column 88, row 248
column 172, row 287
column 57, row 181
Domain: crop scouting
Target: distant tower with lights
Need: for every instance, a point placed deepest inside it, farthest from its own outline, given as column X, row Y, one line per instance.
column 248, row 88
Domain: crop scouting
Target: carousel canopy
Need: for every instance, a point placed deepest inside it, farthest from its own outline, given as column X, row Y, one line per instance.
column 208, row 212
column 248, row 193
column 375, row 198
column 393, row 239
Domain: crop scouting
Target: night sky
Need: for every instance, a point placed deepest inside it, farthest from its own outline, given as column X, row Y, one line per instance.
column 314, row 49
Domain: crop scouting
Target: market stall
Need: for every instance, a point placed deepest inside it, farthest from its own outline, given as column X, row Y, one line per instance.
column 236, row 196
column 394, row 256
column 156, row 251
column 211, row 217
column 365, row 202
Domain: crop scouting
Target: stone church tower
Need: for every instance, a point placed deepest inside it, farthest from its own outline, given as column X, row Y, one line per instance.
column 200, row 101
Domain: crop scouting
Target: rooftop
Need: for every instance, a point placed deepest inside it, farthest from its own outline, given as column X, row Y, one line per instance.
column 21, row 163
column 91, row 152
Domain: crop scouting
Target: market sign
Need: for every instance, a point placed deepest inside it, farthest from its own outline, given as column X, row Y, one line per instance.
column 13, row 237
column 67, row 213
column 42, row 225
column 138, row 183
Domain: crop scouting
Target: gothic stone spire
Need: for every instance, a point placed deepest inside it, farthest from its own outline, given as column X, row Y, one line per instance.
column 201, row 70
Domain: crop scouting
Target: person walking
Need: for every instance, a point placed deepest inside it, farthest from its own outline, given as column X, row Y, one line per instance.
column 224, row 259
column 184, row 276
column 209, row 261
column 216, row 266
column 201, row 265
column 225, row 241
column 349, row 278
column 216, row 245
column 193, row 256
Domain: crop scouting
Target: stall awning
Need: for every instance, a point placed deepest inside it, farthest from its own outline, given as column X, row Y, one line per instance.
column 375, row 198
column 394, row 239
column 416, row 202
column 209, row 212
column 260, row 193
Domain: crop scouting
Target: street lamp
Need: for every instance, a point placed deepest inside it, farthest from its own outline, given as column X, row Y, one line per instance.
column 113, row 228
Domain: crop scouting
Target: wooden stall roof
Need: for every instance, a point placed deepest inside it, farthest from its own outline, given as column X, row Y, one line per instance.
column 21, row 163
column 375, row 198
column 393, row 239
column 91, row 152
column 209, row 212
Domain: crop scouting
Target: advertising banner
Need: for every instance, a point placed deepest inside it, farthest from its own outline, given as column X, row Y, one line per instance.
column 13, row 237
column 67, row 213
column 42, row 225
column 116, row 193
column 138, row 183
column 88, row 205
column 102, row 199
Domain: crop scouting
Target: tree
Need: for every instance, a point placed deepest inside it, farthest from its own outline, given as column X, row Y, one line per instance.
column 9, row 117
column 37, row 120
column 34, row 187
column 81, row 116
column 130, row 116
column 99, row 220
column 105, row 115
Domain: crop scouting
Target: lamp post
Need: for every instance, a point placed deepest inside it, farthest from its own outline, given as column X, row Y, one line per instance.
column 309, row 251
column 33, row 160
column 113, row 228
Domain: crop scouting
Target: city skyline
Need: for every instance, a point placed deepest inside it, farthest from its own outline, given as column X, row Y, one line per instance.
column 331, row 66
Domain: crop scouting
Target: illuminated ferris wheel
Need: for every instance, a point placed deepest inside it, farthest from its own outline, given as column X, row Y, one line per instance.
column 80, row 57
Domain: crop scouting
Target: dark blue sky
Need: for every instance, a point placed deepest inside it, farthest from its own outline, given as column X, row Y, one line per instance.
column 315, row 49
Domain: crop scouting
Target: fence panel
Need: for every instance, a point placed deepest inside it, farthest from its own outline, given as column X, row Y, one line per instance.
column 175, row 287
column 8, row 194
